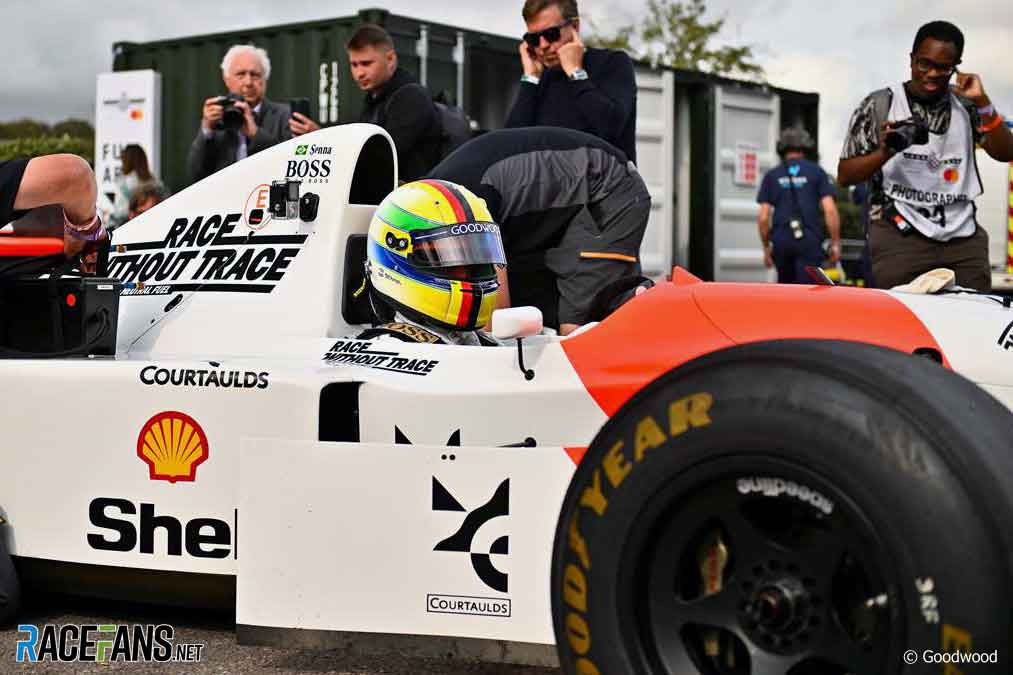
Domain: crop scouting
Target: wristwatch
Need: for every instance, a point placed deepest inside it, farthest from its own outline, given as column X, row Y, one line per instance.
column 577, row 75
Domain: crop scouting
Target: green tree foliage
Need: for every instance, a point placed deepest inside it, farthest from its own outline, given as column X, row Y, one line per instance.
column 48, row 145
column 74, row 128
column 675, row 34
column 23, row 128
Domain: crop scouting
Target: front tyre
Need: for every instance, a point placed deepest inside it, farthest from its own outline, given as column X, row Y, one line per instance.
column 799, row 507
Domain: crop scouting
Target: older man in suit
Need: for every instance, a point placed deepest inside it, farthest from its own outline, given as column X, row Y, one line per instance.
column 245, row 70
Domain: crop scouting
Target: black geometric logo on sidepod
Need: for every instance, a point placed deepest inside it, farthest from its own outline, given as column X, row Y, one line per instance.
column 400, row 439
column 461, row 541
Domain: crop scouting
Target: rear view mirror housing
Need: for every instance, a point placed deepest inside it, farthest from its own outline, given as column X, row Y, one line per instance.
column 516, row 322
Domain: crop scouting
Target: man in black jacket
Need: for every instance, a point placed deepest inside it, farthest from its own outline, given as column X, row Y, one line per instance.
column 395, row 101
column 567, row 85
column 572, row 211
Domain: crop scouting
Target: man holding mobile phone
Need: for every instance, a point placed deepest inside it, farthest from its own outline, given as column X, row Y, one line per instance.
column 915, row 144
column 566, row 84
column 299, row 121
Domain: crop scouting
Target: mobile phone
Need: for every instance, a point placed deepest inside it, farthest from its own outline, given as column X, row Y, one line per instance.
column 300, row 105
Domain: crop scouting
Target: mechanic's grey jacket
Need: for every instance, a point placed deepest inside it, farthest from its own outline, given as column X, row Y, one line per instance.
column 545, row 171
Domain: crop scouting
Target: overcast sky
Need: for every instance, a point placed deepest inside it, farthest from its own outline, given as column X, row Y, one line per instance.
column 840, row 50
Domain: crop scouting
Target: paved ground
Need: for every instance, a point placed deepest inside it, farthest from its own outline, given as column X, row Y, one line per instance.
column 222, row 654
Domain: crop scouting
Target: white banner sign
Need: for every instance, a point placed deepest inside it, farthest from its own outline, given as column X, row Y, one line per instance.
column 128, row 108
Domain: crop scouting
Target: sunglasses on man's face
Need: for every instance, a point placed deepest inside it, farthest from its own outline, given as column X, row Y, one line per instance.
column 551, row 34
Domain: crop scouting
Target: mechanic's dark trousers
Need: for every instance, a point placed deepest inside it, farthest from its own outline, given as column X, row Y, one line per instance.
column 899, row 258
column 792, row 256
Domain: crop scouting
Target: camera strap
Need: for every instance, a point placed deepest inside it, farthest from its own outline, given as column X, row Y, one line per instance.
column 794, row 193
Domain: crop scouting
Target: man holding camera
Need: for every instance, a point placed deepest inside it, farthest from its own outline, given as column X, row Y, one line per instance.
column 796, row 190
column 243, row 122
column 915, row 144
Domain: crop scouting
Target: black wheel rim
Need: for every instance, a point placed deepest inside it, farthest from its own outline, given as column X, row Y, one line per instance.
column 805, row 588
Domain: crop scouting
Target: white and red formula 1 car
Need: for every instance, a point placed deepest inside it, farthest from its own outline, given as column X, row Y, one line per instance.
column 716, row 479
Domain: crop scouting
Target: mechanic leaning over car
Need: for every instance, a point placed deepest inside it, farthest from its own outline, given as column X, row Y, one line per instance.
column 915, row 143
column 431, row 256
column 572, row 210
column 796, row 190
column 64, row 181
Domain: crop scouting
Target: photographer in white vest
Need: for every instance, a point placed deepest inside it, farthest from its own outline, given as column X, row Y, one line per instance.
column 915, row 144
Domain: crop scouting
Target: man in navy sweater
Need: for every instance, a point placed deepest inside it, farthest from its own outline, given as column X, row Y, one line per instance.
column 568, row 85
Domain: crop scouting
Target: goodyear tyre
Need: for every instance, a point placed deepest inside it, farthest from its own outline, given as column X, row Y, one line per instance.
column 800, row 507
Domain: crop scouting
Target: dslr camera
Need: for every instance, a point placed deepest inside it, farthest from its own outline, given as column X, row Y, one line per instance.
column 905, row 133
column 232, row 118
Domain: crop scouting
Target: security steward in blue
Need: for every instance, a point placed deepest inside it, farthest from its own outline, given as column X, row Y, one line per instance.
column 797, row 189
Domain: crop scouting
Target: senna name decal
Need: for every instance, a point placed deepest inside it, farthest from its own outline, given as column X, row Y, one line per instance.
column 361, row 353
column 202, row 254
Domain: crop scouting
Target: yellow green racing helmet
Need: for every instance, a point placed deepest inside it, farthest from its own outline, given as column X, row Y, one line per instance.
column 432, row 252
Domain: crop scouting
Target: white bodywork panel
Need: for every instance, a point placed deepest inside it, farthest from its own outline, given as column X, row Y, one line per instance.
column 976, row 335
column 345, row 541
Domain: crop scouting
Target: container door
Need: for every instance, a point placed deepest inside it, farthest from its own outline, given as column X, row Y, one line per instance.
column 746, row 126
column 656, row 163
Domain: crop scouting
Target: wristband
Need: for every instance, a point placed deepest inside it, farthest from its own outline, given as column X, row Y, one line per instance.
column 986, row 110
column 994, row 124
column 90, row 231
column 530, row 79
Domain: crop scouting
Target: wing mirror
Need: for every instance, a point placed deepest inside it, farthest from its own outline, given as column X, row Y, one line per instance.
column 519, row 323
column 516, row 322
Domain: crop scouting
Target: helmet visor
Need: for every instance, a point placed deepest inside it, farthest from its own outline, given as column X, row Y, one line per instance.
column 459, row 244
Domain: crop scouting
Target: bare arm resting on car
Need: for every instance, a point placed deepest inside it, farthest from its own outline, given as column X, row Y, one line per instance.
column 64, row 180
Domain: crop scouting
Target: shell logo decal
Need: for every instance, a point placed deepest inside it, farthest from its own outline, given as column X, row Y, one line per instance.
column 172, row 444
